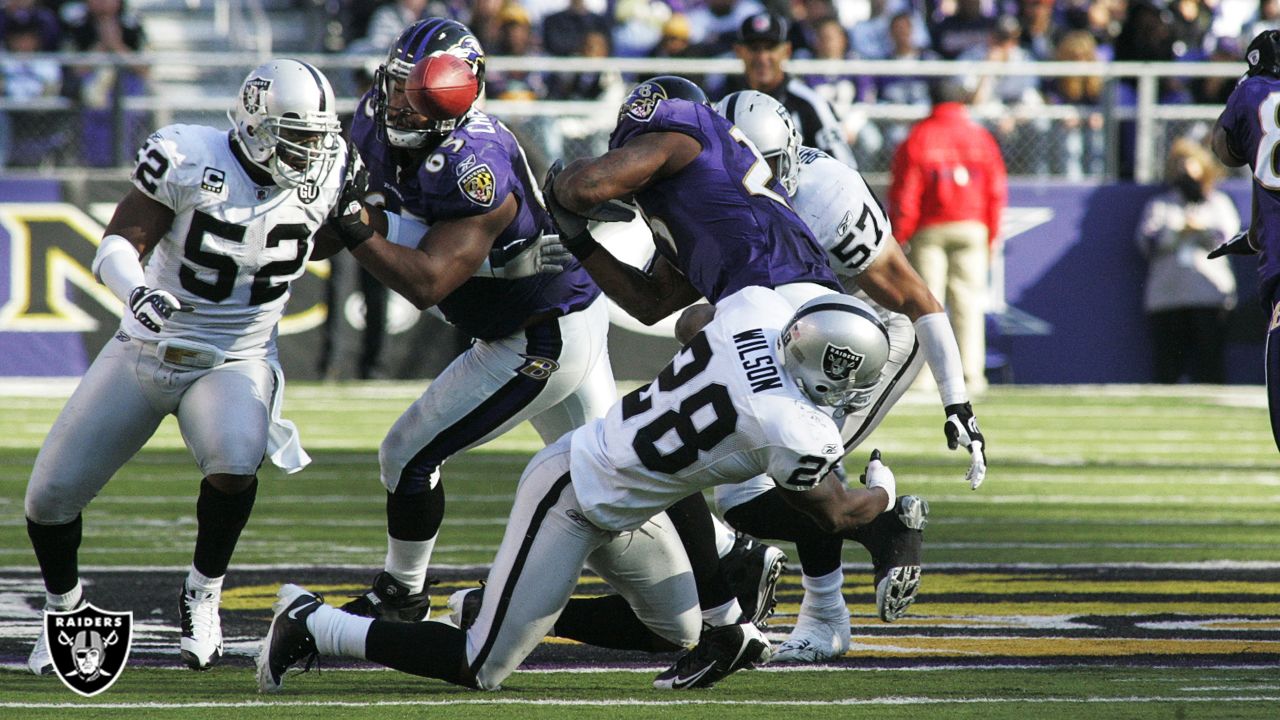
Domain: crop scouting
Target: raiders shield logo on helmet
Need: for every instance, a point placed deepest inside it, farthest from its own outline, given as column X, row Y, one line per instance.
column 643, row 101
column 90, row 646
column 479, row 184
column 253, row 91
column 839, row 362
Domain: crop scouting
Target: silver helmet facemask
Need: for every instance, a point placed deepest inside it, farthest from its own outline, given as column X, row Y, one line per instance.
column 768, row 126
column 835, row 348
column 286, row 121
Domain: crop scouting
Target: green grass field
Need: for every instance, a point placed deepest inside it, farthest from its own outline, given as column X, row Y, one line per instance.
column 1121, row 561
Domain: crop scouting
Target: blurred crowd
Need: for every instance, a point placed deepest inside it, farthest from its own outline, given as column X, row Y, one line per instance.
column 1008, row 31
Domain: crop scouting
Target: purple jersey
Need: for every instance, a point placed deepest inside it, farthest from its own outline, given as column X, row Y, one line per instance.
column 723, row 220
column 1253, row 133
column 471, row 173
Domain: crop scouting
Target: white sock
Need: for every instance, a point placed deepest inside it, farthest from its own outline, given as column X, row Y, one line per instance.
column 198, row 581
column 339, row 633
column 66, row 601
column 725, row 536
column 407, row 561
column 727, row 614
column 822, row 595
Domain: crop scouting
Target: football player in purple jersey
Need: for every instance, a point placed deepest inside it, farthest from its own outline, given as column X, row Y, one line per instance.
column 1248, row 133
column 450, row 214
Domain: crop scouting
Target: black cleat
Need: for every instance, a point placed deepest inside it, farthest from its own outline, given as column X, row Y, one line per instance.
column 895, row 539
column 388, row 599
column 752, row 570
column 721, row 651
column 288, row 642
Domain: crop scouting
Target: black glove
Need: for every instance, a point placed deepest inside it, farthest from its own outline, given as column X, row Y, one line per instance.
column 153, row 307
column 574, row 235
column 345, row 217
column 1240, row 244
column 961, row 428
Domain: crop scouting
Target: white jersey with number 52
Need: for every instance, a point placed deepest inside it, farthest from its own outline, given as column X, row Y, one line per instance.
column 835, row 202
column 234, row 246
column 723, row 411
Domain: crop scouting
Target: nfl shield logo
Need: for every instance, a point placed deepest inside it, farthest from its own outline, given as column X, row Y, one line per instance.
column 89, row 646
column 838, row 362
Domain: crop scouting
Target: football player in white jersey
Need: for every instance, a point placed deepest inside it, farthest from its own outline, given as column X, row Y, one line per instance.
column 745, row 396
column 226, row 220
column 847, row 220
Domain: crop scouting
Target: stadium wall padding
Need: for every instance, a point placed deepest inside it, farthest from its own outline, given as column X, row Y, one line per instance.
column 1073, row 289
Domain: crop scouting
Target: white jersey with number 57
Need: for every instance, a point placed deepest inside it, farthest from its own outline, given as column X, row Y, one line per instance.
column 722, row 412
column 835, row 202
column 234, row 246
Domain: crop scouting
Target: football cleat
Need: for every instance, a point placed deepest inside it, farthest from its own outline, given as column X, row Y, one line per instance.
column 815, row 639
column 895, row 540
column 389, row 599
column 201, row 642
column 721, row 651
column 288, row 641
column 752, row 570
column 464, row 606
column 40, row 661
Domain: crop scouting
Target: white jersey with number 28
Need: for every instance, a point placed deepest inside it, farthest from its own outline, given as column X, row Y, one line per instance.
column 723, row 411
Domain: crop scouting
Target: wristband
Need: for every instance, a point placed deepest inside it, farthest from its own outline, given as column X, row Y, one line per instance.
column 117, row 266
column 351, row 231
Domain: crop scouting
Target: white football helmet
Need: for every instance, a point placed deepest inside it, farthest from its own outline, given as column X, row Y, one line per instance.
column 768, row 126
column 835, row 348
column 287, row 122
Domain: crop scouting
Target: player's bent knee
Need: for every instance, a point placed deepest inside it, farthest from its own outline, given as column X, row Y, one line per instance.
column 231, row 484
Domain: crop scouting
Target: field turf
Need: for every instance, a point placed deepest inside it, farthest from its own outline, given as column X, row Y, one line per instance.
column 1121, row 561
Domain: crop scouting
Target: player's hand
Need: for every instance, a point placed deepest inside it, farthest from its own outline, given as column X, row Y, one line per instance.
column 1240, row 244
column 878, row 475
column 961, row 429
column 546, row 255
column 153, row 307
column 346, row 216
column 571, row 225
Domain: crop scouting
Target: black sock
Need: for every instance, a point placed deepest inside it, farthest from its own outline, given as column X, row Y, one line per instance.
column 57, row 550
column 427, row 649
column 415, row 517
column 219, row 519
column 769, row 517
column 692, row 519
column 608, row 622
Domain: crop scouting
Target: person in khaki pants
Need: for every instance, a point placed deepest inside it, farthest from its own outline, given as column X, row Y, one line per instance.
column 946, row 196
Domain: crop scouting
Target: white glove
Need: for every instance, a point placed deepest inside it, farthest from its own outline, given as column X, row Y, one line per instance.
column 878, row 475
column 961, row 429
column 544, row 256
column 153, row 307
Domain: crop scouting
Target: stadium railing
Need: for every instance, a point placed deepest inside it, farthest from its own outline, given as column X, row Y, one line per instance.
column 1039, row 139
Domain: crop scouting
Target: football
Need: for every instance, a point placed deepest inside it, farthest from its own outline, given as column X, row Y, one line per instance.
column 442, row 87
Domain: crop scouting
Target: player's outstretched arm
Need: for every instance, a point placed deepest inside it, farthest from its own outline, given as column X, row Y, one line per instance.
column 135, row 228
column 839, row 509
column 444, row 259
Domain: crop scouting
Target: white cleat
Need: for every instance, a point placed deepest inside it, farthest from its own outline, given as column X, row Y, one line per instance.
column 815, row 639
column 40, row 662
column 201, row 642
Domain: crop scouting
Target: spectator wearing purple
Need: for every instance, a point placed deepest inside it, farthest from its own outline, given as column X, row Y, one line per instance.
column 844, row 92
column 713, row 27
column 31, row 16
column 904, row 89
column 563, row 33
column 107, row 26
column 967, row 28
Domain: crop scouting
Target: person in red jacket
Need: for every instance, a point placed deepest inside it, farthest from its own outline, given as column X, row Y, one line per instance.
column 946, row 196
